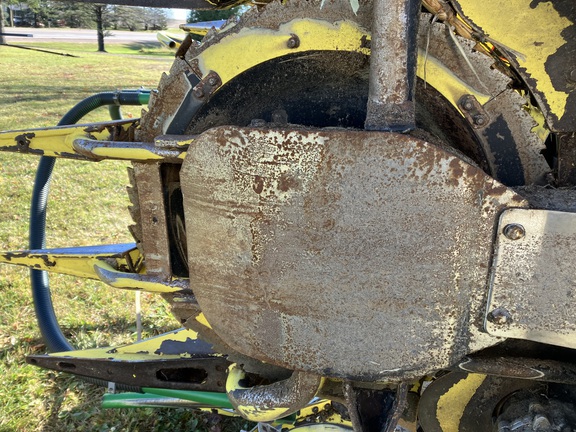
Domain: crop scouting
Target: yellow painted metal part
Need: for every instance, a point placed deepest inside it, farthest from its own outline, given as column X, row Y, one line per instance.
column 310, row 412
column 533, row 32
column 260, row 45
column 322, row 427
column 201, row 318
column 95, row 263
column 133, row 281
column 139, row 351
column 54, row 141
column 170, row 40
column 75, row 264
column 252, row 413
column 93, row 142
column 119, row 151
column 442, row 79
column 452, row 404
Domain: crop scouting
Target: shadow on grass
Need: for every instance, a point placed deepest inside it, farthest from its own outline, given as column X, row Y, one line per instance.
column 138, row 46
column 84, row 335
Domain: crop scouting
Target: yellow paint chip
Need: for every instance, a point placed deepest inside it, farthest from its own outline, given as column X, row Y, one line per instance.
column 452, row 404
column 534, row 32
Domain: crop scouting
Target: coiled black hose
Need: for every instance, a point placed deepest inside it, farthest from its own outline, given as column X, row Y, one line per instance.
column 43, row 306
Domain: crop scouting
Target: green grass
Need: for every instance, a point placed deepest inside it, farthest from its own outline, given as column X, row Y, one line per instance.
column 87, row 206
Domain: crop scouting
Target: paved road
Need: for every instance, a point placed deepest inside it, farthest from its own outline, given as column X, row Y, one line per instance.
column 80, row 35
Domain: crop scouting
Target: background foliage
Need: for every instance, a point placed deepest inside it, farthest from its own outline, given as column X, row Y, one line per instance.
column 48, row 13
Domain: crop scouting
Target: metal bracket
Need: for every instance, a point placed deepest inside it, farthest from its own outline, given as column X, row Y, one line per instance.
column 473, row 111
column 174, row 360
column 533, row 281
column 208, row 85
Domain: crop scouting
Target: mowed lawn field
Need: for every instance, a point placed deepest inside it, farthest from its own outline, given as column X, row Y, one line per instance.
column 87, row 206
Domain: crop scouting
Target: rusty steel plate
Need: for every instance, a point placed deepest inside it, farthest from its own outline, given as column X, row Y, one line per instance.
column 351, row 254
column 533, row 282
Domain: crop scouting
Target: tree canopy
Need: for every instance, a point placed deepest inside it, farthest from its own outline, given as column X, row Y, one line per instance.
column 73, row 14
column 214, row 15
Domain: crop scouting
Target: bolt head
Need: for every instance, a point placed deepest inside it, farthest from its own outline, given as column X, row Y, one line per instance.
column 212, row 81
column 500, row 316
column 468, row 105
column 479, row 120
column 293, row 42
column 514, row 231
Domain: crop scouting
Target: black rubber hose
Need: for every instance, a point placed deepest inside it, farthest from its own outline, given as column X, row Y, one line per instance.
column 43, row 306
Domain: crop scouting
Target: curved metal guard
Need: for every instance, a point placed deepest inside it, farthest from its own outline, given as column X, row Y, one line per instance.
column 265, row 403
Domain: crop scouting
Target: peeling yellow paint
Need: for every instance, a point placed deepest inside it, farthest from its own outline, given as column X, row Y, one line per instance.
column 452, row 404
column 260, row 45
column 533, row 32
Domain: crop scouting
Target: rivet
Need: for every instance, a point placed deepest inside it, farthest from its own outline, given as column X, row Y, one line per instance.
column 212, row 81
column 293, row 42
column 573, row 75
column 468, row 105
column 500, row 316
column 514, row 231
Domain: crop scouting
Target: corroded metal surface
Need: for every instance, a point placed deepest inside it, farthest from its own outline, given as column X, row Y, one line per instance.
column 567, row 157
column 264, row 403
column 310, row 249
column 460, row 402
column 152, row 219
column 521, row 367
column 532, row 285
column 174, row 360
column 539, row 40
column 393, row 56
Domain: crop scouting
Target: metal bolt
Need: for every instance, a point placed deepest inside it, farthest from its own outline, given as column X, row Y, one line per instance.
column 479, row 120
column 514, row 231
column 199, row 92
column 293, row 42
column 572, row 75
column 212, row 81
column 500, row 316
column 468, row 105
column 541, row 423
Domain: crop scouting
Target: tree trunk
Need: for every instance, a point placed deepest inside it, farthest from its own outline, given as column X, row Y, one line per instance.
column 2, row 39
column 99, row 11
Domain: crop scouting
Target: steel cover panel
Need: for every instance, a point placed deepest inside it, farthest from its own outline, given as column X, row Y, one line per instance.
column 533, row 282
column 351, row 254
